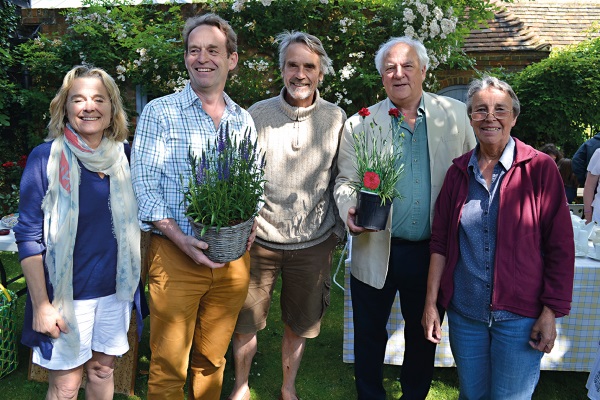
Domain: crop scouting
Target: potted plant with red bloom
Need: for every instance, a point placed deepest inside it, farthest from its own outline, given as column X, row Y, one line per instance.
column 378, row 167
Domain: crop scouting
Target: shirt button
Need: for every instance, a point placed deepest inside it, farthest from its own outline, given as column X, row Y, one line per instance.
column 416, row 181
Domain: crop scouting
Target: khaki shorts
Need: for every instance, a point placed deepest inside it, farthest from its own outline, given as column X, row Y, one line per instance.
column 306, row 281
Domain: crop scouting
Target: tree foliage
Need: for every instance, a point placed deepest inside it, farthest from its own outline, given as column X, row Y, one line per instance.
column 560, row 98
column 351, row 32
column 14, row 113
column 142, row 45
column 9, row 20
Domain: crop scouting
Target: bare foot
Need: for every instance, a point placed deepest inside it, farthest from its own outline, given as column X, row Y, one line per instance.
column 240, row 393
column 288, row 395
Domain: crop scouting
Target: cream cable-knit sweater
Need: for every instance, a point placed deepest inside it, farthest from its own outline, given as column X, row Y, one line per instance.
column 300, row 146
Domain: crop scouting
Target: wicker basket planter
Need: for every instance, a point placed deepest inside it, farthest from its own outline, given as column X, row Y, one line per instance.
column 8, row 333
column 228, row 244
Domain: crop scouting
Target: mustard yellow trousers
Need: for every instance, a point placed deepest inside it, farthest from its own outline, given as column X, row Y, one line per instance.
column 193, row 311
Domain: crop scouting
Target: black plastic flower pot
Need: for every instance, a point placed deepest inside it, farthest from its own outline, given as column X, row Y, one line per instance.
column 370, row 213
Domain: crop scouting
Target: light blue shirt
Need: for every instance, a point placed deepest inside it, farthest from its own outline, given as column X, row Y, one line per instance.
column 168, row 127
column 410, row 219
column 477, row 236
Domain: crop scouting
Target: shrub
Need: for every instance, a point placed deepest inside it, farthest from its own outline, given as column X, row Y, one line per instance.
column 560, row 98
column 141, row 47
column 141, row 44
column 10, row 177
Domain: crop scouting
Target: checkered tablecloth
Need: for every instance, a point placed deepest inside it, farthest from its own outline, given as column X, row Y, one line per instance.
column 575, row 347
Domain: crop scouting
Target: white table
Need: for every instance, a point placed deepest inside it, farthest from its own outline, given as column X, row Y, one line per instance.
column 7, row 242
column 575, row 347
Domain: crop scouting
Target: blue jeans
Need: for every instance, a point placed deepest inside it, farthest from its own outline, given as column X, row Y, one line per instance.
column 494, row 361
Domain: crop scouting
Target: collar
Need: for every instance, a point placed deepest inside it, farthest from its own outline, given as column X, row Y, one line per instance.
column 188, row 97
column 508, row 155
column 506, row 159
column 297, row 113
column 420, row 109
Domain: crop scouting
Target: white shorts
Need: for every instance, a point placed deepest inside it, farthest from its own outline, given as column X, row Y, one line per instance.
column 103, row 324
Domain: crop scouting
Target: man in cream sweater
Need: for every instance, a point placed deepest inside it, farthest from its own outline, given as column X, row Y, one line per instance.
column 298, row 226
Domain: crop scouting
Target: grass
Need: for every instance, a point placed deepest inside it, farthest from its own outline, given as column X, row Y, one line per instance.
column 322, row 375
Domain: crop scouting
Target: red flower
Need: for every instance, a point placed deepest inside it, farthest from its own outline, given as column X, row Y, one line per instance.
column 22, row 161
column 394, row 112
column 8, row 164
column 371, row 180
column 363, row 112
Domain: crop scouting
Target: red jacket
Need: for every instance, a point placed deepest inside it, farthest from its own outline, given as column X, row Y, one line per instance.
column 535, row 250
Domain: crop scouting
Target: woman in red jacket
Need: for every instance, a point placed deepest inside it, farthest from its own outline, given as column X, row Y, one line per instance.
column 502, row 254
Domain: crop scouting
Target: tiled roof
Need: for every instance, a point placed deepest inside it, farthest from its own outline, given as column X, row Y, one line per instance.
column 535, row 25
column 505, row 32
column 559, row 23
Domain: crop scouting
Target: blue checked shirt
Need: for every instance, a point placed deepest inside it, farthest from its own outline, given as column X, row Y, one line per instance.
column 160, row 169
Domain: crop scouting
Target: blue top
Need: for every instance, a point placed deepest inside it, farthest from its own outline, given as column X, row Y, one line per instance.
column 167, row 130
column 583, row 155
column 95, row 252
column 411, row 212
column 474, row 273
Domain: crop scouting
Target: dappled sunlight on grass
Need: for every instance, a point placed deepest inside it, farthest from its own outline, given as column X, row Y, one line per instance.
column 322, row 376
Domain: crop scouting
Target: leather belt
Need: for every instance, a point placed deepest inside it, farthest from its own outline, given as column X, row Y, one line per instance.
column 397, row 240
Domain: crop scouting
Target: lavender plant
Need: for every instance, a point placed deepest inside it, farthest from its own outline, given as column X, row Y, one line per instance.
column 226, row 185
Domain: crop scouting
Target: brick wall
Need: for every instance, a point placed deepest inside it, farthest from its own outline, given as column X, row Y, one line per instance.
column 509, row 60
column 50, row 19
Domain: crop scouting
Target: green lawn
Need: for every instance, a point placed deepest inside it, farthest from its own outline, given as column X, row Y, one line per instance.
column 323, row 375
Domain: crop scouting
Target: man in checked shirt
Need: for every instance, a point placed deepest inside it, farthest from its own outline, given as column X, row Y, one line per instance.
column 194, row 302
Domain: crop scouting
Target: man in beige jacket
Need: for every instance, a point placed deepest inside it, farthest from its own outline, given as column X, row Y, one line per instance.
column 436, row 130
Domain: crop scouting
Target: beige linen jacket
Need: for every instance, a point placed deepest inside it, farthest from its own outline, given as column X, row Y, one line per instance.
column 449, row 135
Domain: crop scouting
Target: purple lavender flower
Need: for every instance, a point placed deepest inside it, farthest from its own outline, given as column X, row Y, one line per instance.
column 221, row 144
column 263, row 162
column 202, row 170
column 244, row 148
column 226, row 170
column 220, row 168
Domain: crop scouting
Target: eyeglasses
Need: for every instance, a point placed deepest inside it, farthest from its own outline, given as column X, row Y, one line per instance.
column 481, row 115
